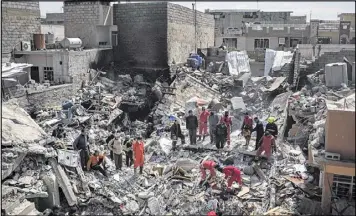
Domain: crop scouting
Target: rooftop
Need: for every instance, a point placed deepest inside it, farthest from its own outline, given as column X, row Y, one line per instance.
column 343, row 14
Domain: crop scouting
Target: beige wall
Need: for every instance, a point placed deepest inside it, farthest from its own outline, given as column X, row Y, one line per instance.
column 250, row 42
column 333, row 34
column 340, row 133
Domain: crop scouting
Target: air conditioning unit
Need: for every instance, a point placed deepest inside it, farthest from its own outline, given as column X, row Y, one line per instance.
column 332, row 156
column 25, row 45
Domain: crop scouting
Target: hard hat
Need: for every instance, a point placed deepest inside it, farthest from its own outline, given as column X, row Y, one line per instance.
column 271, row 120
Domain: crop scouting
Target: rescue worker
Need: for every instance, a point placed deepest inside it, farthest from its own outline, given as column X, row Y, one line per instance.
column 220, row 135
column 266, row 144
column 272, row 127
column 203, row 123
column 175, row 133
column 259, row 131
column 211, row 213
column 232, row 174
column 59, row 132
column 138, row 154
column 127, row 148
column 149, row 130
column 208, row 165
column 191, row 123
column 213, row 122
column 95, row 161
column 111, row 137
column 228, row 122
column 115, row 145
column 247, row 122
column 81, row 144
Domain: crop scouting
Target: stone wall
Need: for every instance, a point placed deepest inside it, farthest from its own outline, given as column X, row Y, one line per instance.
column 80, row 20
column 142, row 34
column 79, row 63
column 181, row 32
column 20, row 20
column 49, row 97
column 307, row 52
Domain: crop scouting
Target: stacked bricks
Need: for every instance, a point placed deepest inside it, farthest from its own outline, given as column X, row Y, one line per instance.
column 20, row 20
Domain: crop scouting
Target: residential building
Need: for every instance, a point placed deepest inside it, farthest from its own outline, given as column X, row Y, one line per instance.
column 53, row 24
column 348, row 17
column 337, row 165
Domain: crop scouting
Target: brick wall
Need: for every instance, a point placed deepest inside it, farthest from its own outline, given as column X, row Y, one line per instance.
column 80, row 62
column 20, row 20
column 181, row 32
column 80, row 20
column 49, row 97
column 142, row 34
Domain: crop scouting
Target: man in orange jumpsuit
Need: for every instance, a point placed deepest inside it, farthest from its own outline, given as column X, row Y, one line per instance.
column 232, row 174
column 203, row 123
column 138, row 154
column 266, row 144
column 207, row 165
column 228, row 122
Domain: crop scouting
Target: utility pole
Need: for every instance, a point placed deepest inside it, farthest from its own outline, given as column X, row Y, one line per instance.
column 195, row 26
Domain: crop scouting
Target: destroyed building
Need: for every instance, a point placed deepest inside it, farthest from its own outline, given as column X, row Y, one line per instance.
column 41, row 171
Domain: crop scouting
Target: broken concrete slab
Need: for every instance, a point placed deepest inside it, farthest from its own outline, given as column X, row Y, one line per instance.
column 15, row 163
column 154, row 206
column 238, row 103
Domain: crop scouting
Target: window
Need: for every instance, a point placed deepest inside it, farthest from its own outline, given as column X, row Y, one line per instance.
column 114, row 39
column 48, row 73
column 262, row 43
column 344, row 186
column 344, row 27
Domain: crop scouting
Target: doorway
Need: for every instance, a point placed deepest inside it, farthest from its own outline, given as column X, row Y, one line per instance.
column 35, row 74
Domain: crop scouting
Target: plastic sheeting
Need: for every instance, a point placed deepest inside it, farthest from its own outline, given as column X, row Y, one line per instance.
column 238, row 62
column 275, row 60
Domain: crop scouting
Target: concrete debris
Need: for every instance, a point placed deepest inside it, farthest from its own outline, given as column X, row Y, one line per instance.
column 38, row 156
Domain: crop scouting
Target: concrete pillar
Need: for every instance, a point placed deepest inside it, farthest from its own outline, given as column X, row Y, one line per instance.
column 52, row 189
column 326, row 196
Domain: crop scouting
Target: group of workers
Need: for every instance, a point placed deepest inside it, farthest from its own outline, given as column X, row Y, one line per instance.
column 133, row 148
column 219, row 129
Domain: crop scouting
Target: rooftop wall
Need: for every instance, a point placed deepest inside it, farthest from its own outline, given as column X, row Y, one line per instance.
column 306, row 50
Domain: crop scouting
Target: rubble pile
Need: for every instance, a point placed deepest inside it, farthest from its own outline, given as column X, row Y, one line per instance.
column 37, row 165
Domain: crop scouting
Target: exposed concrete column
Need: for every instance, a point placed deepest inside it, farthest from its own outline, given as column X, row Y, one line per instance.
column 52, row 189
column 326, row 197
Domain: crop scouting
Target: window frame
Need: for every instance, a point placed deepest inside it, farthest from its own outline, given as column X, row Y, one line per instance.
column 49, row 70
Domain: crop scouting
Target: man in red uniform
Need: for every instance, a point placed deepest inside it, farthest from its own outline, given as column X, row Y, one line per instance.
column 228, row 122
column 203, row 123
column 232, row 174
column 208, row 165
column 266, row 144
column 246, row 128
column 138, row 153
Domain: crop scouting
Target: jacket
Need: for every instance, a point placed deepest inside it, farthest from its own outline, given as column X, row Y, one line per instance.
column 213, row 121
column 175, row 130
column 233, row 172
column 203, row 117
column 227, row 120
column 259, row 130
column 115, row 146
column 81, row 142
column 221, row 130
column 247, row 122
column 127, row 147
column 94, row 160
column 191, row 122
column 273, row 128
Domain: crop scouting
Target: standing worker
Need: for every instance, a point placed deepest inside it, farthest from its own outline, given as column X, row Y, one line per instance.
column 228, row 122
column 81, row 144
column 115, row 145
column 191, row 123
column 272, row 126
column 203, row 123
column 95, row 161
column 175, row 133
column 232, row 174
column 220, row 135
column 213, row 122
column 207, row 165
column 111, row 137
column 138, row 153
column 128, row 150
column 259, row 131
column 266, row 144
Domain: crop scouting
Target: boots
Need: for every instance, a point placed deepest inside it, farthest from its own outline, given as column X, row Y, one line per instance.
column 203, row 137
column 135, row 171
column 141, row 170
column 199, row 137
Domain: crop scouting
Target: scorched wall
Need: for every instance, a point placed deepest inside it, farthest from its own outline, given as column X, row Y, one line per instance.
column 20, row 20
column 152, row 35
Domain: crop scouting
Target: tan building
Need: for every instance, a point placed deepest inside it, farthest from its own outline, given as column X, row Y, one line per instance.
column 337, row 166
column 348, row 17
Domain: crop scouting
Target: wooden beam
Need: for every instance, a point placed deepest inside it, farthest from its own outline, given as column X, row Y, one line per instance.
column 340, row 170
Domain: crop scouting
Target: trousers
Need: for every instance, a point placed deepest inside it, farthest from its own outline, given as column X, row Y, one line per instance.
column 264, row 148
column 212, row 131
column 220, row 142
column 203, row 173
column 193, row 136
column 84, row 157
column 129, row 158
column 203, row 128
column 118, row 161
column 100, row 169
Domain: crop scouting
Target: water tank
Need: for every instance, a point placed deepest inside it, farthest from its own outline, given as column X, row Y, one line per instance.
column 50, row 38
column 71, row 43
column 39, row 40
column 335, row 74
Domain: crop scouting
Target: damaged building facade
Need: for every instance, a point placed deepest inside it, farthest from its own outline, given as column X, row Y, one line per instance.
column 108, row 76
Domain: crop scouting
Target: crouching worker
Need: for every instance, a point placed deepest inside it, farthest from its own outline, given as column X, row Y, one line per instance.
column 232, row 174
column 207, row 165
column 95, row 162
